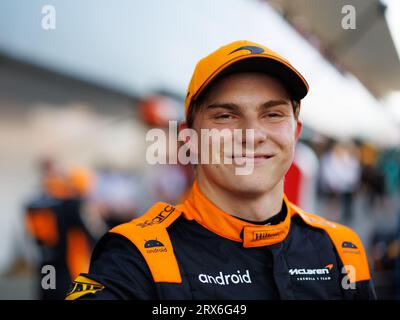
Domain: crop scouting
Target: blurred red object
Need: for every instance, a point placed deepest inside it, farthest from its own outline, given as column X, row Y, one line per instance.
column 157, row 110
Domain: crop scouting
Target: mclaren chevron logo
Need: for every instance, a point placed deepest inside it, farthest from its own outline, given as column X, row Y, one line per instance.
column 252, row 49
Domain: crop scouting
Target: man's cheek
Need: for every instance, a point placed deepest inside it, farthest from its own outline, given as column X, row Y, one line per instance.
column 284, row 138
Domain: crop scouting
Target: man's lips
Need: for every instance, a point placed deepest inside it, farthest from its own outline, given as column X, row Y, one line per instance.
column 256, row 158
column 253, row 156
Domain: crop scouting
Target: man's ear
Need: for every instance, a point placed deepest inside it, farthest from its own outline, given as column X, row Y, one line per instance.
column 299, row 128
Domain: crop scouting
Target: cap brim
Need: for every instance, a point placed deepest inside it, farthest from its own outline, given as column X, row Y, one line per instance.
column 290, row 78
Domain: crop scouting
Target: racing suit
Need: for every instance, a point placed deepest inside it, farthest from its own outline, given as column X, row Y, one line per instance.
column 196, row 251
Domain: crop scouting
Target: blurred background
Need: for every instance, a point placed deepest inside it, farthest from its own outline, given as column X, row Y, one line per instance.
column 81, row 83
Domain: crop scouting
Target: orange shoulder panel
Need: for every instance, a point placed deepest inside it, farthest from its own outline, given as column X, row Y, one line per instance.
column 347, row 242
column 149, row 234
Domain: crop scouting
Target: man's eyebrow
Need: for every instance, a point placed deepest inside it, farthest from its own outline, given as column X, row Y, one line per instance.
column 273, row 103
column 235, row 107
column 229, row 106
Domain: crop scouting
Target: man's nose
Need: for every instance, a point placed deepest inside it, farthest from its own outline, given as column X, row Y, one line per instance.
column 252, row 129
column 256, row 132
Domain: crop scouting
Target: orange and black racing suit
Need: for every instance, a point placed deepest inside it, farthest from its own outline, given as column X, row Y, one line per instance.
column 196, row 251
column 62, row 238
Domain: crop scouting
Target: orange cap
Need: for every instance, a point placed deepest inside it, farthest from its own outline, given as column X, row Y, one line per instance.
column 244, row 56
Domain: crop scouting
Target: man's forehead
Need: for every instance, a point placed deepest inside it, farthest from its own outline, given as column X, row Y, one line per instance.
column 240, row 83
column 245, row 106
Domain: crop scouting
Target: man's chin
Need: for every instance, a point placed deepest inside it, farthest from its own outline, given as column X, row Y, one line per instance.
column 249, row 187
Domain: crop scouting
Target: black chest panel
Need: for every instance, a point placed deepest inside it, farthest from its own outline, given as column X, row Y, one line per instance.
column 304, row 266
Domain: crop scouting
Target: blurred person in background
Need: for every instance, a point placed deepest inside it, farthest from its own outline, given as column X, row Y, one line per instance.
column 385, row 241
column 372, row 179
column 397, row 261
column 385, row 254
column 389, row 165
column 340, row 177
column 54, row 220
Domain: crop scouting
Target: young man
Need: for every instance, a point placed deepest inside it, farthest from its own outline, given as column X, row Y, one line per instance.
column 235, row 236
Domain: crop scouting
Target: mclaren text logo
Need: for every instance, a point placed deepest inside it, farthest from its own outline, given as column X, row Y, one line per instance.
column 226, row 279
column 303, row 274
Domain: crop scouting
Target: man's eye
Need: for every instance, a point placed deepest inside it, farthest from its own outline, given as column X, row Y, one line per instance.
column 274, row 115
column 224, row 116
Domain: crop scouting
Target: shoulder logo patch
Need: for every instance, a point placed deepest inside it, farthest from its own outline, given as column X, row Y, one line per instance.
column 164, row 214
column 153, row 243
column 350, row 247
column 83, row 286
column 348, row 244
column 154, row 246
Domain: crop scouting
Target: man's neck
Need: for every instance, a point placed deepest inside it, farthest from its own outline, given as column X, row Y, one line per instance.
column 257, row 208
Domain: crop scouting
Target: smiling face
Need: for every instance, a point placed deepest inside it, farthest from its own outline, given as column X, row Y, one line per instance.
column 250, row 101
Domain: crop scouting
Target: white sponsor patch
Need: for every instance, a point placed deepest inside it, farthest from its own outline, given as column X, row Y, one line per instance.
column 226, row 279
